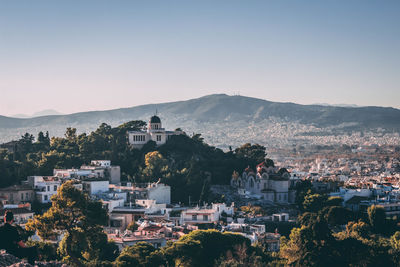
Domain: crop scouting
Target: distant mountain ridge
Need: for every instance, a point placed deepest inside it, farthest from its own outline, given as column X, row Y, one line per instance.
column 210, row 111
column 46, row 112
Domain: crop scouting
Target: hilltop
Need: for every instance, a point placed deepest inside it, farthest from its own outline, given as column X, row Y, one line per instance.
column 223, row 119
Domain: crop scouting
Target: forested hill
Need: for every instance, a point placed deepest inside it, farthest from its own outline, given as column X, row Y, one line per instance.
column 187, row 164
column 208, row 112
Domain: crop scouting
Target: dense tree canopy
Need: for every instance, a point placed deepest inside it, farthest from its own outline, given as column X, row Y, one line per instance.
column 80, row 220
column 329, row 235
column 186, row 163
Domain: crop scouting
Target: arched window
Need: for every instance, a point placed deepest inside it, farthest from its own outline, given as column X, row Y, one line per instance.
column 251, row 183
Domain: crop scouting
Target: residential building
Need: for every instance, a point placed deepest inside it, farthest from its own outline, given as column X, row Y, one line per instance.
column 159, row 192
column 95, row 186
column 199, row 216
column 45, row 187
column 97, row 169
column 127, row 240
column 271, row 241
column 121, row 217
column 17, row 194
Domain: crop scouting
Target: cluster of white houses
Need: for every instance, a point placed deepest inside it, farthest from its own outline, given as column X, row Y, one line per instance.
column 148, row 205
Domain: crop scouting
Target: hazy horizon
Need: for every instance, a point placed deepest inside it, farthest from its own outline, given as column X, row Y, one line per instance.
column 56, row 112
column 75, row 56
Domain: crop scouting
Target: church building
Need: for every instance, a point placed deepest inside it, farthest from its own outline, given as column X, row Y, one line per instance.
column 268, row 183
column 154, row 132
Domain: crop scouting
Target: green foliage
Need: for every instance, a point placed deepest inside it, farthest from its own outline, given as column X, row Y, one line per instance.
column 141, row 254
column 302, row 189
column 334, row 201
column 320, row 241
column 395, row 241
column 80, row 219
column 252, row 154
column 314, row 202
column 203, row 247
column 284, row 228
column 253, row 210
column 47, row 250
column 185, row 163
column 308, row 218
column 240, row 257
column 337, row 215
column 377, row 218
column 156, row 165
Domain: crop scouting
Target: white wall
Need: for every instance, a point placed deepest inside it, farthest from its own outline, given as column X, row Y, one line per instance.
column 161, row 193
column 95, row 187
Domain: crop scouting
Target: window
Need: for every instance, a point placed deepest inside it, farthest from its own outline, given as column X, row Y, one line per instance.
column 45, row 197
column 27, row 196
column 205, row 217
column 22, row 196
column 265, row 185
column 55, row 188
column 48, row 188
column 158, row 138
column 115, row 223
column 194, row 217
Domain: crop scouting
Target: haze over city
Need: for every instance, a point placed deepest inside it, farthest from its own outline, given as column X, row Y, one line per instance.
column 200, row 133
column 76, row 56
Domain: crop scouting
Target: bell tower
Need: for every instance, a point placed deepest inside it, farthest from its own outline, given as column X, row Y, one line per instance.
column 155, row 123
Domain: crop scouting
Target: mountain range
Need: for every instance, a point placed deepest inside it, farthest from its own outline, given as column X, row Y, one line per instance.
column 219, row 116
column 41, row 113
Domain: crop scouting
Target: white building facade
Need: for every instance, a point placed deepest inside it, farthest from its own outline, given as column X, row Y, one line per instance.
column 155, row 133
column 96, row 186
column 45, row 187
column 268, row 183
column 199, row 216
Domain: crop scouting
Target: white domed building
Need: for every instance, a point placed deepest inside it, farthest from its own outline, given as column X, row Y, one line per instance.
column 154, row 132
column 268, row 183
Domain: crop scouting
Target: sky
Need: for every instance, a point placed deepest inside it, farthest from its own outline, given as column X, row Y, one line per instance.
column 75, row 56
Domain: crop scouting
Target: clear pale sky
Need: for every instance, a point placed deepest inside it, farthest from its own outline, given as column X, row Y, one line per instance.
column 91, row 55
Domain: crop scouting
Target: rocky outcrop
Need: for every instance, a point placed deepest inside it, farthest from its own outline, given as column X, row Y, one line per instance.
column 10, row 260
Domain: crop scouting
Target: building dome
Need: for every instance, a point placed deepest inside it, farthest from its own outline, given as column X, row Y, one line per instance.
column 155, row 119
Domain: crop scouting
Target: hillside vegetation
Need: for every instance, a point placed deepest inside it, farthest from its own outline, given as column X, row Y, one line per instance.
column 187, row 164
